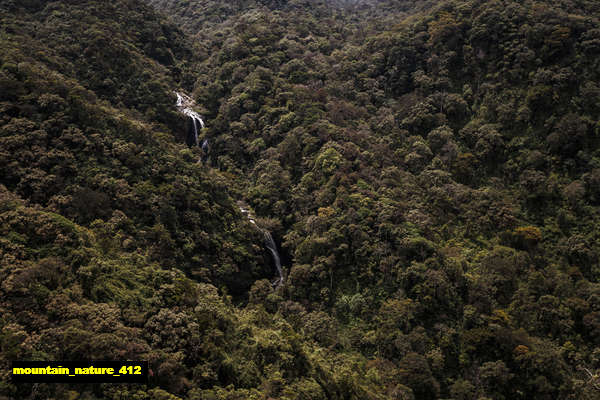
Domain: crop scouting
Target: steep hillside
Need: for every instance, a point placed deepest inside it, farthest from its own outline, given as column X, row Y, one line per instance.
column 429, row 173
column 105, row 217
column 432, row 182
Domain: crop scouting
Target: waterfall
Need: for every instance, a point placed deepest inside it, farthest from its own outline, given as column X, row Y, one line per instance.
column 184, row 104
column 269, row 244
column 194, row 123
column 196, row 120
column 204, row 154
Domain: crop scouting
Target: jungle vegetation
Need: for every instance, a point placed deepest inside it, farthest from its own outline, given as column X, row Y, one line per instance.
column 429, row 170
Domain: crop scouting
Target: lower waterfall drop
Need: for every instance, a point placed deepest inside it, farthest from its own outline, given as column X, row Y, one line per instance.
column 269, row 244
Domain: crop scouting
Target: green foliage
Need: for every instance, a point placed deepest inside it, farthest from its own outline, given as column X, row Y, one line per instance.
column 428, row 170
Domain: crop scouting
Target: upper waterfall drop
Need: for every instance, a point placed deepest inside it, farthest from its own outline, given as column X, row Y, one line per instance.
column 184, row 103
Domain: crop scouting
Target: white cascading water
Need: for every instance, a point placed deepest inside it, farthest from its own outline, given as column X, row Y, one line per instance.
column 204, row 147
column 270, row 244
column 183, row 104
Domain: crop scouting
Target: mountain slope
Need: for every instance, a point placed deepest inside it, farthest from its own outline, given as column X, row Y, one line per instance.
column 429, row 172
column 105, row 217
column 441, row 176
column 82, row 135
column 114, row 239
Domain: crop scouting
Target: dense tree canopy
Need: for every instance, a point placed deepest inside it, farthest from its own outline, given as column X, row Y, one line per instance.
column 429, row 171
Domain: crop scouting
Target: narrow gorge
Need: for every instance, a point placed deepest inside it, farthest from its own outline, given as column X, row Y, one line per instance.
column 185, row 105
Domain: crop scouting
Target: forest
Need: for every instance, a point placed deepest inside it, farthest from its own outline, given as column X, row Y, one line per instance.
column 424, row 174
